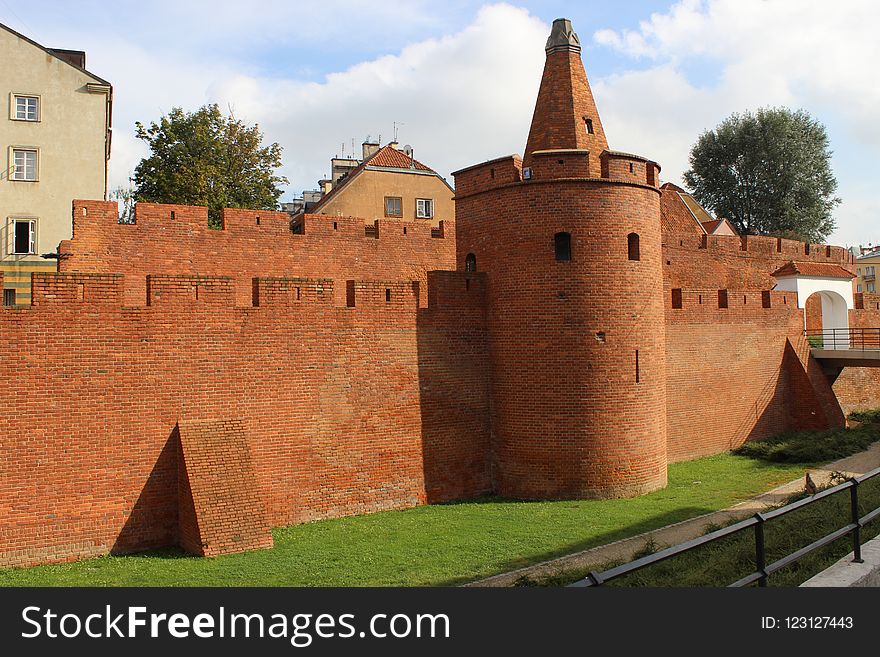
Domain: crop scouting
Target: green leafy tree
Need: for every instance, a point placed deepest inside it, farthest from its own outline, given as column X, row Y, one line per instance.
column 206, row 158
column 769, row 173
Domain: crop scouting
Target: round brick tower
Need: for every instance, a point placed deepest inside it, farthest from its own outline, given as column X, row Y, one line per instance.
column 570, row 242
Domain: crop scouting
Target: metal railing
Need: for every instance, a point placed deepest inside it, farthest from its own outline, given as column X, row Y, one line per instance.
column 860, row 339
column 762, row 569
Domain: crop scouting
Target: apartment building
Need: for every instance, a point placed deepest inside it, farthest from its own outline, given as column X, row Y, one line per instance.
column 55, row 143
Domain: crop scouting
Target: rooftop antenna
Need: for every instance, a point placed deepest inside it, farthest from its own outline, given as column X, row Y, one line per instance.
column 396, row 125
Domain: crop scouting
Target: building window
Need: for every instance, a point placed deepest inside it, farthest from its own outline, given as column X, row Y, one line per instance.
column 26, row 108
column 393, row 206
column 860, row 288
column 24, row 164
column 871, row 287
column 23, row 237
column 589, row 124
column 424, row 208
column 470, row 262
column 9, row 297
column 562, row 244
column 632, row 246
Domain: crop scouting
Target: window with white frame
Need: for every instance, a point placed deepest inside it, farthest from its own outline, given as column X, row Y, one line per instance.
column 26, row 108
column 22, row 238
column 24, row 164
column 424, row 208
column 871, row 287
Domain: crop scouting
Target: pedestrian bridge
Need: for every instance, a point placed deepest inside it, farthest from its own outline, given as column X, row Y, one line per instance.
column 845, row 347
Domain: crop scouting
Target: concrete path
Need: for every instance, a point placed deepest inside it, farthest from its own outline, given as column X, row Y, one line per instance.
column 680, row 532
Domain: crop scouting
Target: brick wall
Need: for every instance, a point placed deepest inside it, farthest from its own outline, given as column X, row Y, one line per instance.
column 858, row 388
column 740, row 373
column 720, row 261
column 346, row 409
column 176, row 240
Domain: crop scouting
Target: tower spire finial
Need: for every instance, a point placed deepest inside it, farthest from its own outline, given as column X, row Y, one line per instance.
column 565, row 113
column 562, row 37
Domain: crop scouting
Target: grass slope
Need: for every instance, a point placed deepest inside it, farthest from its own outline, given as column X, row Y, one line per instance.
column 432, row 545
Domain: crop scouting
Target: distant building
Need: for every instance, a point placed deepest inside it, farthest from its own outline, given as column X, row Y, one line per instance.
column 866, row 269
column 56, row 143
column 387, row 183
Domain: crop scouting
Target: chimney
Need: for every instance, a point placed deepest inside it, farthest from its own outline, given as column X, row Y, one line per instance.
column 565, row 113
column 368, row 148
column 75, row 57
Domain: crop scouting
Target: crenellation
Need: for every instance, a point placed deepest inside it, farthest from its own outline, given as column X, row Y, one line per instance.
column 52, row 288
column 170, row 290
column 271, row 292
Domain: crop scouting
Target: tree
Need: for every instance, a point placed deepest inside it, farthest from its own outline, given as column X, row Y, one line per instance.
column 205, row 158
column 124, row 197
column 769, row 173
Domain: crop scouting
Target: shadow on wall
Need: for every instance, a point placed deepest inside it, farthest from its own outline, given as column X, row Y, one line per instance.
column 790, row 402
column 453, row 362
column 153, row 521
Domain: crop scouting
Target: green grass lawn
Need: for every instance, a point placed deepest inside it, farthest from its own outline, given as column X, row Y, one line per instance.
column 432, row 545
column 731, row 558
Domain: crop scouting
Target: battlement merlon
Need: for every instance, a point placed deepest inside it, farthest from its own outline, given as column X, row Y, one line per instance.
column 775, row 248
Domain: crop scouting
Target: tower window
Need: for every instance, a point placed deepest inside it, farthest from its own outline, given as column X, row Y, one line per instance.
column 470, row 263
column 632, row 246
column 562, row 244
column 676, row 297
column 589, row 124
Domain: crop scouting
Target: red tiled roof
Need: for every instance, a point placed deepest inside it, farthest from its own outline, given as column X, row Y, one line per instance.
column 675, row 217
column 710, row 226
column 823, row 269
column 388, row 156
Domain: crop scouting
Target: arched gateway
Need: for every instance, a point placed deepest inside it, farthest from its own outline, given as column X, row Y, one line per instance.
column 822, row 286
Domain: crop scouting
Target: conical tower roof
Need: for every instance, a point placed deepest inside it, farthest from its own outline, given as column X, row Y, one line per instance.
column 565, row 113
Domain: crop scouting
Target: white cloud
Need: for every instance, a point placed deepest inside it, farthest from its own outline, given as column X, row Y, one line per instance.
column 800, row 53
column 458, row 100
column 468, row 96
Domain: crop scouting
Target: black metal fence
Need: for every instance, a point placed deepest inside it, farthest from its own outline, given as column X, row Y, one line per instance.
column 861, row 339
column 762, row 569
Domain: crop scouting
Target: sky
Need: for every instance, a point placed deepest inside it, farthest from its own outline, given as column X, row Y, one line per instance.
column 457, row 80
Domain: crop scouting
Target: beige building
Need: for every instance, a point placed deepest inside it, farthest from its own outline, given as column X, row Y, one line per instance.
column 55, row 141
column 387, row 183
column 867, row 266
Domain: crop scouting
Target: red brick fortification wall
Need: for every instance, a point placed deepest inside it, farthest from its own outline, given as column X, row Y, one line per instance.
column 727, row 262
column 175, row 239
column 346, row 409
column 858, row 388
column 739, row 373
column 569, row 418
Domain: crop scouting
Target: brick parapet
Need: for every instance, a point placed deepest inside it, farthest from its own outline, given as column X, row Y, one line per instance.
column 339, row 248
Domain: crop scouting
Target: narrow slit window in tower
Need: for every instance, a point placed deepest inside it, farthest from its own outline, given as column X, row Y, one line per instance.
column 470, row 263
column 632, row 245
column 638, row 372
column 589, row 124
column 562, row 244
